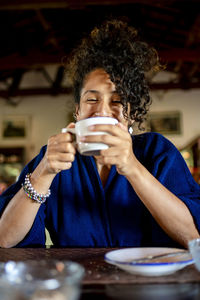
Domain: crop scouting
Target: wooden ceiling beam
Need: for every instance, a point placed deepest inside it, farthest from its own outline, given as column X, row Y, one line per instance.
column 31, row 61
column 35, row 92
column 52, row 4
column 47, row 28
column 176, row 54
column 58, row 79
column 68, row 90
column 175, row 85
column 36, row 59
column 29, row 4
column 17, row 77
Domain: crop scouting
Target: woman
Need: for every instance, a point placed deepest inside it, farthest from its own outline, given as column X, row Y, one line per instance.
column 138, row 192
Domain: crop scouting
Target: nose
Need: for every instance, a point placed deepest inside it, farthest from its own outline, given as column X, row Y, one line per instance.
column 103, row 109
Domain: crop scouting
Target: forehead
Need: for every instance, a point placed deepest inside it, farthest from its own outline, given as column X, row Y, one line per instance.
column 98, row 79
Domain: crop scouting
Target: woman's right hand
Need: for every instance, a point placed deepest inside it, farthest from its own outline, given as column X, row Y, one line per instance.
column 60, row 152
column 19, row 215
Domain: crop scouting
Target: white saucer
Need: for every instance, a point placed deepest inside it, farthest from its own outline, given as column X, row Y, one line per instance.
column 124, row 258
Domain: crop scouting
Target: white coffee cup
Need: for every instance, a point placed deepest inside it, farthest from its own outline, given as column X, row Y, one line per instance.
column 81, row 129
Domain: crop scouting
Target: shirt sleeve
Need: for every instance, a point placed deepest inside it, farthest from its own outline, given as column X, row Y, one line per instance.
column 36, row 235
column 166, row 163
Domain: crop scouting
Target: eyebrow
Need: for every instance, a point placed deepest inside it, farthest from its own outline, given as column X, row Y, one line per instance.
column 96, row 92
column 91, row 91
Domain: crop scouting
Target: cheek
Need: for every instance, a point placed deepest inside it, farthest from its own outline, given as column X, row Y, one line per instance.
column 118, row 111
column 119, row 115
column 85, row 111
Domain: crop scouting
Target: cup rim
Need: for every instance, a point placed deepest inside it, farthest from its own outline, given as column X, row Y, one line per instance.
column 110, row 120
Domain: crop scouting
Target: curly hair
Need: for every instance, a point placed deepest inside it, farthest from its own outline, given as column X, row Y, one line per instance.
column 115, row 47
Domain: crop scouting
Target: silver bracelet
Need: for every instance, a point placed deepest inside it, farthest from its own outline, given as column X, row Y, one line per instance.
column 32, row 193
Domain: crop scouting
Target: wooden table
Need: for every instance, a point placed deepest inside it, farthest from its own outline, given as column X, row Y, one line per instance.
column 105, row 281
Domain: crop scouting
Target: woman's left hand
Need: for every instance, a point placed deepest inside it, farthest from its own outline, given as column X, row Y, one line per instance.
column 120, row 151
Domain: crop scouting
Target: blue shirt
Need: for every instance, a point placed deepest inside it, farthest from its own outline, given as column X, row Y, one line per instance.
column 82, row 213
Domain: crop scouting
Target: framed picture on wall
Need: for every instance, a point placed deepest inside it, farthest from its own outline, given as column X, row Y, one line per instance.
column 165, row 122
column 15, row 127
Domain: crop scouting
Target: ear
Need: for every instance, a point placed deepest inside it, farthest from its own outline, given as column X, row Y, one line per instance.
column 77, row 111
column 130, row 122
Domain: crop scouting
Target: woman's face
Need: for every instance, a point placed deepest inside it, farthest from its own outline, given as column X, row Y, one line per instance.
column 98, row 97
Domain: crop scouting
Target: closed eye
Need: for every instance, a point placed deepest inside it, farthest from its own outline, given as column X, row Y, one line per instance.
column 91, row 100
column 117, row 102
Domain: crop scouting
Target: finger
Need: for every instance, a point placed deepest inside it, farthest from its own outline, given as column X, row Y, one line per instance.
column 59, row 166
column 61, row 137
column 62, row 157
column 71, row 125
column 66, row 148
column 54, row 149
column 118, row 129
column 65, row 157
column 115, row 151
column 122, row 126
column 111, row 129
column 66, row 137
column 107, row 160
column 106, row 139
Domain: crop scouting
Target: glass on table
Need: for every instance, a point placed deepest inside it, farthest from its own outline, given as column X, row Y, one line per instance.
column 42, row 280
column 194, row 247
column 8, row 293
